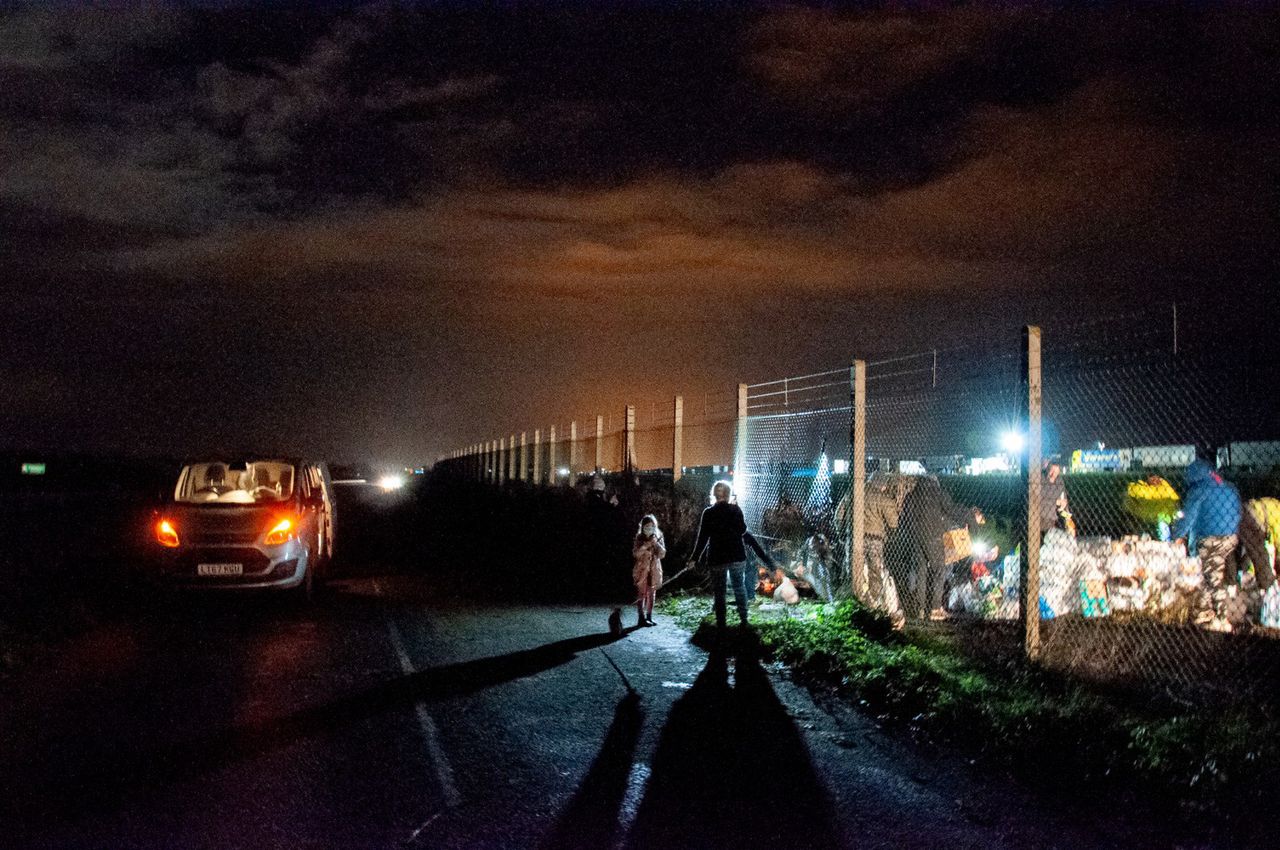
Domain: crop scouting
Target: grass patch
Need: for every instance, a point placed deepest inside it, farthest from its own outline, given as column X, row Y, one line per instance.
column 1042, row 727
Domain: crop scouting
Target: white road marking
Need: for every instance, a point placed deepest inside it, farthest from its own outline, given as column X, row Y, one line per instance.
column 430, row 733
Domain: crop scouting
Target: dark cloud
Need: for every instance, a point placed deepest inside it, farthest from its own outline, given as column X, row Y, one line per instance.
column 445, row 210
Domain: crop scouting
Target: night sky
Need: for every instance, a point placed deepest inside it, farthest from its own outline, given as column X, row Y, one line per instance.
column 388, row 230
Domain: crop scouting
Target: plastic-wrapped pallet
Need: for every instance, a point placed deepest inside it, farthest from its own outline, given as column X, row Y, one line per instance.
column 1270, row 616
column 1009, row 601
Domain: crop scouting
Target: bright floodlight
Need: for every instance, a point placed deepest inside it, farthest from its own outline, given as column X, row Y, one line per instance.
column 1012, row 442
column 563, row 471
column 391, row 482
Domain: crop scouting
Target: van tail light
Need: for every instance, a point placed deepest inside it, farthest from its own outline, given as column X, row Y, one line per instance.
column 166, row 534
column 283, row 531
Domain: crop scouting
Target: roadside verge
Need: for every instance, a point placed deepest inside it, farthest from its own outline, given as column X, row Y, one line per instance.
column 1218, row 766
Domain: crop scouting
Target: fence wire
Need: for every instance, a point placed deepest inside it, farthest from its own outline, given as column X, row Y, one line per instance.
column 1158, row 513
column 1160, row 509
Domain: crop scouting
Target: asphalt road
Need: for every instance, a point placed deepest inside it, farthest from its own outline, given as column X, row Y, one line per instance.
column 390, row 715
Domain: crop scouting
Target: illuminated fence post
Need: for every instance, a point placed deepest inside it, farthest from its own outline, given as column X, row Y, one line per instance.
column 524, row 456
column 573, row 448
column 858, row 481
column 552, row 473
column 493, row 461
column 537, row 455
column 740, row 442
column 502, row 460
column 629, row 439
column 599, row 442
column 484, row 462
column 511, row 458
column 1030, row 591
column 677, row 447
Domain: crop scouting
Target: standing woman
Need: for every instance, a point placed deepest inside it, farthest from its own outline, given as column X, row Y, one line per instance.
column 648, row 550
column 722, row 534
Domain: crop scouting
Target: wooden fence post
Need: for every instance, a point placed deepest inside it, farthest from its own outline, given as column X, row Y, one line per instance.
column 677, row 440
column 553, row 474
column 537, row 455
column 599, row 442
column 629, row 438
column 573, row 449
column 858, row 481
column 524, row 455
column 1030, row 591
column 740, row 445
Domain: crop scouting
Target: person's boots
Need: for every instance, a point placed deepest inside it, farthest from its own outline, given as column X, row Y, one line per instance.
column 639, row 615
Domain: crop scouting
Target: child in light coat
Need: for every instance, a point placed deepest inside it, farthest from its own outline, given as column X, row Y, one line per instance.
column 648, row 550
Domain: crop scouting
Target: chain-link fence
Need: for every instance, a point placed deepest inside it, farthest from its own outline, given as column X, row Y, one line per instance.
column 1103, row 495
column 677, row 437
column 933, row 426
column 791, row 472
column 1136, row 505
column 1158, row 506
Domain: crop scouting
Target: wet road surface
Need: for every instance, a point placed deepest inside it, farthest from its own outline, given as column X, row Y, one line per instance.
column 388, row 716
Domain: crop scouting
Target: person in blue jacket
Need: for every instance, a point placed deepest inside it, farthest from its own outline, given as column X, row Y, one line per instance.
column 1209, row 524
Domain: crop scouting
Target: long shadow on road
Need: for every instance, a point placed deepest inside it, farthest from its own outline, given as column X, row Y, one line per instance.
column 591, row 818
column 102, row 786
column 732, row 770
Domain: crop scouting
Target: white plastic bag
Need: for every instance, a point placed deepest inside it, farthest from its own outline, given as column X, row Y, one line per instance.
column 786, row 592
column 1270, row 616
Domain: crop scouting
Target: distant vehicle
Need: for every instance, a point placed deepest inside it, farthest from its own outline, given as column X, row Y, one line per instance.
column 265, row 523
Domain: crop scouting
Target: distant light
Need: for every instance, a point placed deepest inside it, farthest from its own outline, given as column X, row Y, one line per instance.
column 984, row 465
column 839, row 466
column 1101, row 446
column 563, row 472
column 391, row 482
column 1012, row 442
column 33, row 469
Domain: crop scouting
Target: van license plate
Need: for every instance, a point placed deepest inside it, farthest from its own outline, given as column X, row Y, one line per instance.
column 219, row 569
